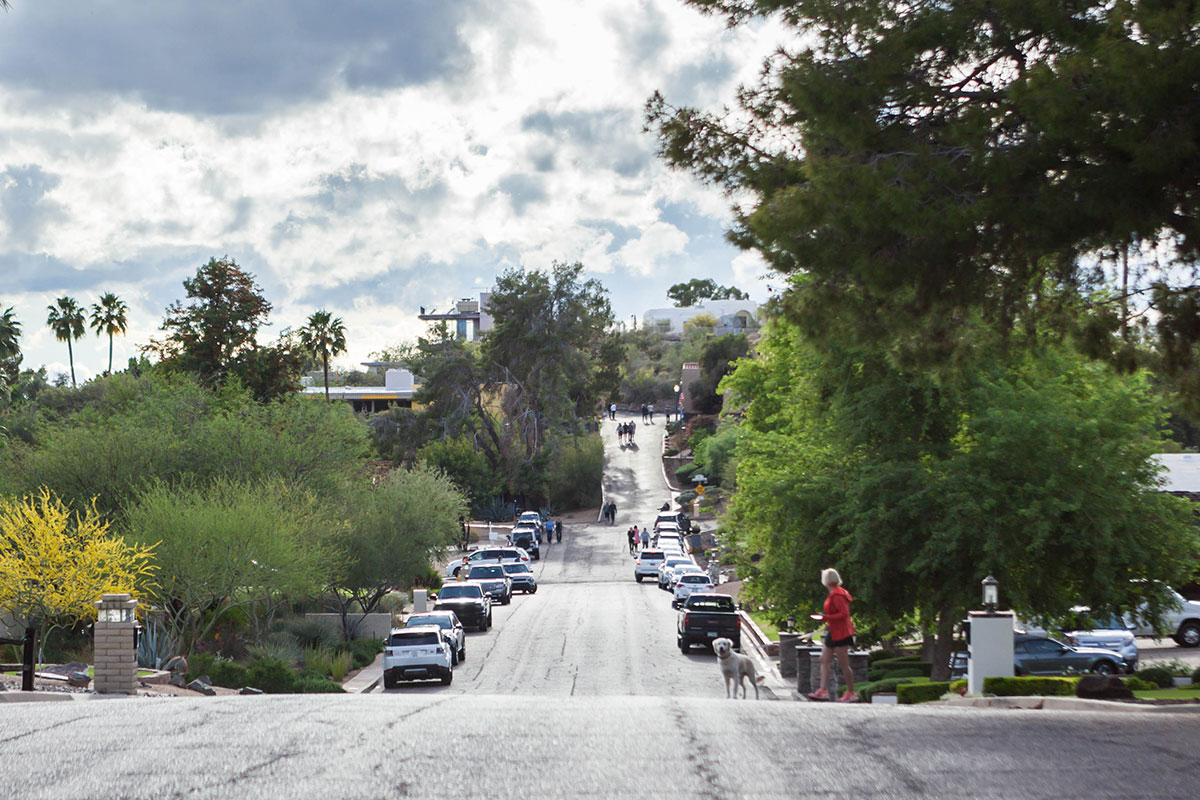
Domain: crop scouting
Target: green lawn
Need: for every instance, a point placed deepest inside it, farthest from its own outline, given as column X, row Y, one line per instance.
column 1183, row 693
column 769, row 630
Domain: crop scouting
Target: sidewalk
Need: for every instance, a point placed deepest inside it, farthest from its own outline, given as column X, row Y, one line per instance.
column 753, row 645
column 367, row 678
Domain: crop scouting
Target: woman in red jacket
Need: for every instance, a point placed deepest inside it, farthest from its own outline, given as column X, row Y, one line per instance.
column 839, row 636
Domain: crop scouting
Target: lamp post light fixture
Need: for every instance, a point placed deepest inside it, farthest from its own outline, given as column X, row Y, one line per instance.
column 991, row 594
column 791, row 623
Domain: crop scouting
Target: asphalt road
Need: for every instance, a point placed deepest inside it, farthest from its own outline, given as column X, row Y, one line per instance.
column 578, row 691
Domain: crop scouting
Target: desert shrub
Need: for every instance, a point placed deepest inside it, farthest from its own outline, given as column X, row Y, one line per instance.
column 272, row 675
column 310, row 633
column 340, row 664
column 1028, row 685
column 280, row 645
column 1158, row 675
column 909, row 693
column 200, row 664
column 315, row 685
column 365, row 650
column 686, row 498
column 318, row 659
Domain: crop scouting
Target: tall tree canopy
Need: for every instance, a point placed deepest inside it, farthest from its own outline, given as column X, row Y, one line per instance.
column 214, row 333
column 109, row 319
column 915, row 160
column 324, row 336
column 10, row 350
column 697, row 290
column 66, row 320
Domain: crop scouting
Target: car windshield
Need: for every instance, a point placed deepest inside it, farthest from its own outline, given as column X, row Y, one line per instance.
column 441, row 620
column 407, row 639
column 487, row 572
column 513, row 569
column 451, row 591
column 694, row 578
column 652, row 555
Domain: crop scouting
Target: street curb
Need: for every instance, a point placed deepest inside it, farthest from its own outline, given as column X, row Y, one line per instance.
column 776, row 686
column 662, row 466
column 35, row 697
column 1037, row 703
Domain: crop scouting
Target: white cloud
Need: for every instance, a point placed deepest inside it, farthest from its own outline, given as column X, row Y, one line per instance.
column 374, row 197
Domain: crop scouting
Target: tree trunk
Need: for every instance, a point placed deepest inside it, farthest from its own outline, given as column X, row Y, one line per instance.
column 942, row 646
column 325, row 369
column 71, row 361
column 110, row 338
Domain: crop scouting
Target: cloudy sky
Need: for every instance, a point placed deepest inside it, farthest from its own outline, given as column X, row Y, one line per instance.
column 369, row 157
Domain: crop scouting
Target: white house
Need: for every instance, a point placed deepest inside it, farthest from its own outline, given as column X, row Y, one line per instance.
column 732, row 316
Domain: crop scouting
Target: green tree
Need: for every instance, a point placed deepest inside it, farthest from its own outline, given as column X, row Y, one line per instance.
column 1034, row 467
column 700, row 289
column 916, row 163
column 66, row 320
column 10, row 350
column 228, row 546
column 392, row 530
column 109, row 319
column 214, row 334
column 544, row 349
column 325, row 337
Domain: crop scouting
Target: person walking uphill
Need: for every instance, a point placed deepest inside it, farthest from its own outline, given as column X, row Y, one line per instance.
column 839, row 636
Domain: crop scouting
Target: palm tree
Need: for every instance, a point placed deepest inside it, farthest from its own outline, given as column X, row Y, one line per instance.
column 108, row 317
column 66, row 320
column 324, row 335
column 10, row 335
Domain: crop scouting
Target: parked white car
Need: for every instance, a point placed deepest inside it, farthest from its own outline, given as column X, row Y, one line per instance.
column 691, row 582
column 1181, row 623
column 417, row 653
column 677, row 572
column 647, row 563
column 669, row 543
column 488, row 555
column 668, row 563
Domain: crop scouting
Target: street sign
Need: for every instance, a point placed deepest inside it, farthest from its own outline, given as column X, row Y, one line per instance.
column 700, row 489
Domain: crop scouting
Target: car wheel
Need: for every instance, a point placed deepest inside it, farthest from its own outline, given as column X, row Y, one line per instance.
column 447, row 678
column 388, row 683
column 507, row 599
column 533, row 590
column 684, row 647
column 637, row 578
column 462, row 653
column 1188, row 635
column 489, row 623
column 454, row 659
column 1104, row 668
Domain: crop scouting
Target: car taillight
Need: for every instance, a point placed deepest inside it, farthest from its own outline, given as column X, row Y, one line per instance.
column 739, row 622
column 687, row 618
column 638, row 562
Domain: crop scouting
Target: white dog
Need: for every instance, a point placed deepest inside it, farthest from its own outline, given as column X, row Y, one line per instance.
column 735, row 668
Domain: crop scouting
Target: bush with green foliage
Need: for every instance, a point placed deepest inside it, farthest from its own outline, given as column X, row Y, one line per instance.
column 1025, row 686
column 909, row 693
column 1161, row 676
column 365, row 650
column 310, row 633
column 272, row 675
column 315, row 684
column 885, row 686
column 684, row 473
column 1138, row 685
column 575, row 472
column 959, row 686
column 1196, row 676
column 903, row 672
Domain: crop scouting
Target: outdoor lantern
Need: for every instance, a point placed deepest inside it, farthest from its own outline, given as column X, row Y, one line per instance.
column 991, row 593
column 115, row 615
column 677, row 388
column 791, row 623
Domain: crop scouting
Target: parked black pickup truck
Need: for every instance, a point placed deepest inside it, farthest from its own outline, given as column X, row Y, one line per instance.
column 705, row 617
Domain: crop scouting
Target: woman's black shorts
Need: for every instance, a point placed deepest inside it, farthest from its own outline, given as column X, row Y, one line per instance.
column 834, row 643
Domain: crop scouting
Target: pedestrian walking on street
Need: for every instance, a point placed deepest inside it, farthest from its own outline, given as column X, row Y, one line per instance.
column 612, row 411
column 629, row 432
column 558, row 530
column 651, row 415
column 612, row 512
column 838, row 639
column 549, row 531
column 645, row 538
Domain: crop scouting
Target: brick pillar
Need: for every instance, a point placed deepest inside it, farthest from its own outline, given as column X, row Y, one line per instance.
column 115, row 659
column 787, row 654
column 859, row 665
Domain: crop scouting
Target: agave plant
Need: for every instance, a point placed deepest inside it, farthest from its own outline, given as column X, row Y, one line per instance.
column 155, row 646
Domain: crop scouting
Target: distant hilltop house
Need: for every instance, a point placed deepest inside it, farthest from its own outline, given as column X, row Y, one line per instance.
column 733, row 316
column 468, row 318
column 1181, row 474
column 397, row 390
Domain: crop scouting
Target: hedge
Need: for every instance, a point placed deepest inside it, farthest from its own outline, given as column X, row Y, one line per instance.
column 910, row 693
column 959, row 686
column 685, row 473
column 885, row 686
column 1162, row 676
column 1027, row 685
column 905, row 672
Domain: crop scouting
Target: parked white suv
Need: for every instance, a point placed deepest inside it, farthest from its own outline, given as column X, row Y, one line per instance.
column 691, row 582
column 1181, row 623
column 416, row 653
column 647, row 564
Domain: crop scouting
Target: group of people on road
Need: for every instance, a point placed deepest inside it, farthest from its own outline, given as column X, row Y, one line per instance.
column 637, row 537
column 625, row 432
column 608, row 512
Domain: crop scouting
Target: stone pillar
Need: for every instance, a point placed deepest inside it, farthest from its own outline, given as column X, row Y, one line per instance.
column 787, row 654
column 989, row 647
column 115, row 659
column 859, row 665
column 804, row 683
column 420, row 601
